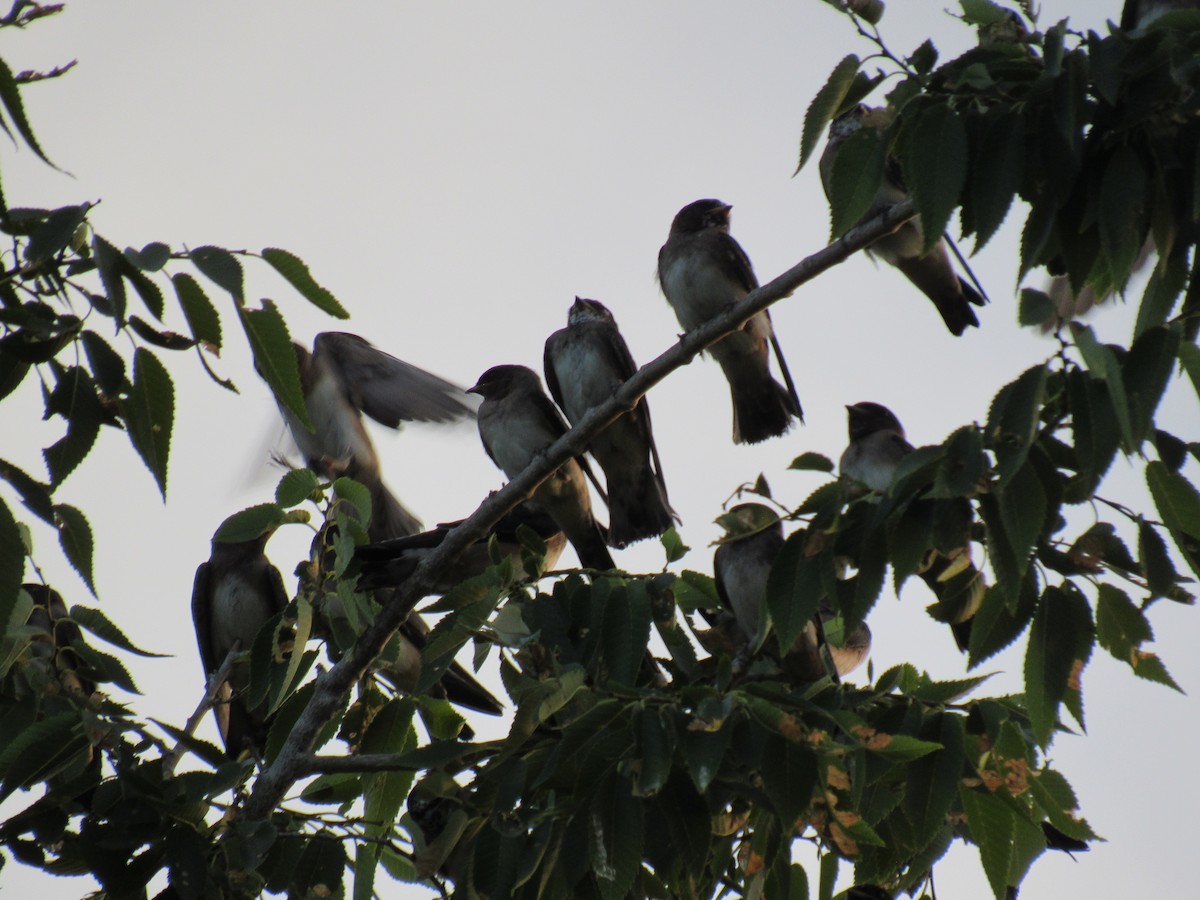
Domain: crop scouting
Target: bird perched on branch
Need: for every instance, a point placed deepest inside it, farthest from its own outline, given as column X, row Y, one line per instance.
column 931, row 272
column 517, row 422
column 234, row 595
column 585, row 363
column 741, row 569
column 877, row 445
column 703, row 271
column 344, row 377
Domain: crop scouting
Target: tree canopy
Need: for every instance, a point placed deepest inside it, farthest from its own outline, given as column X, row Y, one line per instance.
column 610, row 783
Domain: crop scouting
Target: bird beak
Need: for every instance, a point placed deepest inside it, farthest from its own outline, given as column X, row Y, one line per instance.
column 474, row 389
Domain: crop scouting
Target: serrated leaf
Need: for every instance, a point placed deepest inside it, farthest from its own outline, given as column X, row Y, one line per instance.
column 296, row 486
column 1145, row 373
column 108, row 266
column 825, row 105
column 1156, row 565
column 151, row 258
column 221, row 268
column 901, row 748
column 931, row 782
column 1035, row 308
column 992, row 827
column 789, row 776
column 167, row 340
column 38, row 750
column 74, row 398
column 795, row 589
column 1062, row 625
column 34, row 494
column 856, row 175
column 10, row 95
column 673, row 545
column 202, row 317
column 1123, row 199
column 812, row 462
column 97, row 623
column 292, row 268
column 12, row 563
column 935, row 168
column 1178, row 503
column 250, row 523
column 75, row 537
column 960, row 471
column 703, row 752
column 1013, row 420
column 998, row 622
column 108, row 368
column 275, row 357
column 616, row 833
column 149, row 414
column 1102, row 363
column 150, row 292
column 996, row 175
column 55, row 233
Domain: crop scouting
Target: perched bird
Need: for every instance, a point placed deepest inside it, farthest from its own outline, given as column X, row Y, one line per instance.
column 517, row 421
column 741, row 568
column 932, row 272
column 234, row 595
column 702, row 271
column 877, row 444
column 344, row 377
column 585, row 363
column 389, row 564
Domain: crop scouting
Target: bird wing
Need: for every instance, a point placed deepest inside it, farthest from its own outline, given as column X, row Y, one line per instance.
column 388, row 389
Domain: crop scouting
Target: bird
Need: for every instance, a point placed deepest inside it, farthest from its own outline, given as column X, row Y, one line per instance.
column 702, row 271
column 517, row 421
column 931, row 272
column 584, row 364
column 345, row 376
column 388, row 564
column 877, row 445
column 235, row 593
column 741, row 569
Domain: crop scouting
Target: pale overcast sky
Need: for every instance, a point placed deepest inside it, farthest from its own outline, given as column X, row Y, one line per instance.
column 456, row 174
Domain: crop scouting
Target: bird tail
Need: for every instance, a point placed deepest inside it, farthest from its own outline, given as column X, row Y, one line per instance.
column 938, row 281
column 591, row 547
column 762, row 408
column 638, row 509
column 389, row 518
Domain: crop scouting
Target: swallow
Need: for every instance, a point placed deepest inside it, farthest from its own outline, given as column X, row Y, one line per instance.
column 741, row 569
column 234, row 595
column 343, row 378
column 517, row 421
column 389, row 564
column 585, row 363
column 877, row 444
column 931, row 272
column 702, row 270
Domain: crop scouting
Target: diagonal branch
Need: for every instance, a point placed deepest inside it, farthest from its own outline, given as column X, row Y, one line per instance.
column 294, row 761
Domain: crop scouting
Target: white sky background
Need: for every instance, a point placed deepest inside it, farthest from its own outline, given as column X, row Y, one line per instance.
column 456, row 174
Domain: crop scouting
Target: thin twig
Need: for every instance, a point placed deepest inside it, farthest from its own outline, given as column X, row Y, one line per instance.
column 333, row 686
column 218, row 678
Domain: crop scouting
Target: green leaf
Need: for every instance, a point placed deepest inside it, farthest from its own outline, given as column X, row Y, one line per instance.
column 794, row 589
column 34, row 494
column 704, row 751
column 168, row 340
column 1036, row 307
column 75, row 536
column 1022, row 504
column 932, row 781
column 292, row 268
column 201, row 315
column 812, row 462
column 108, row 368
column 11, row 97
column 616, row 836
column 151, row 258
column 390, row 731
column 108, row 266
column 221, row 268
column 935, row 168
column 998, row 622
column 320, row 869
column 1013, row 419
column 1121, row 627
column 1102, row 362
column 901, row 748
column 37, row 751
column 1179, row 505
column 296, row 486
column 149, row 414
column 1095, row 431
column 150, row 292
column 74, row 398
column 98, row 624
column 626, row 631
column 1122, row 212
column 996, row 177
column 1145, row 373
column 992, row 827
column 1054, row 658
column 695, row 590
column 275, row 357
column 1156, row 565
column 825, row 105
column 250, row 523
column 12, row 563
column 789, row 776
column 961, row 469
column 55, row 233
column 855, row 179
column 656, row 746
column 673, row 545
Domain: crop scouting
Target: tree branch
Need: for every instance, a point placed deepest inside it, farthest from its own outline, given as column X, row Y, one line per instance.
column 211, row 688
column 294, row 760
